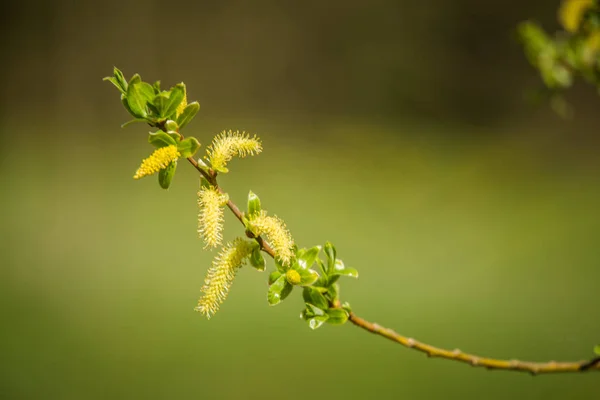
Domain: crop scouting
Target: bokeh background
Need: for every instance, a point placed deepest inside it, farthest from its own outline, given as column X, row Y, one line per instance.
column 399, row 130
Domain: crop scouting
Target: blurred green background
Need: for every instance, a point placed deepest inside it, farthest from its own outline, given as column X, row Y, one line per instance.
column 396, row 129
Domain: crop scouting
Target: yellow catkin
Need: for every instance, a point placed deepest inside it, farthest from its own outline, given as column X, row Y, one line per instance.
column 181, row 105
column 158, row 160
column 277, row 234
column 226, row 145
column 221, row 274
column 210, row 215
column 571, row 12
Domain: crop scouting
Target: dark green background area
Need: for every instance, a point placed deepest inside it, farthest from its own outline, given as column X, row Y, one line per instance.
column 396, row 130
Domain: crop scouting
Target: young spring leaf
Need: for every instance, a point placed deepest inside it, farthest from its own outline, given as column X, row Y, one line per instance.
column 175, row 98
column 115, row 82
column 307, row 276
column 314, row 297
column 189, row 112
column 160, row 102
column 331, row 256
column 161, row 139
column 139, row 97
column 306, row 257
column 597, row 349
column 165, row 176
column 340, row 269
column 337, row 316
column 273, row 276
column 279, row 290
column 188, row 146
column 257, row 260
column 254, row 206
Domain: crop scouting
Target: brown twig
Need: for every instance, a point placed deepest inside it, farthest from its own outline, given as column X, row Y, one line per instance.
column 533, row 368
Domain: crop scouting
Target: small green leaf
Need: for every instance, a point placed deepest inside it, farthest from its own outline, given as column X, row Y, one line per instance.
column 175, row 98
column 273, row 276
column 333, row 292
column 317, row 322
column 340, row 269
column 161, row 139
column 331, row 256
column 132, row 122
column 189, row 112
column 306, row 257
column 314, row 311
column 279, row 290
column 597, row 349
column 160, row 102
column 165, row 176
column 115, row 82
column 139, row 97
column 280, row 267
column 322, row 281
column 120, row 78
column 254, row 206
column 257, row 260
column 337, row 316
column 313, row 296
column 188, row 147
column 171, row 127
column 307, row 276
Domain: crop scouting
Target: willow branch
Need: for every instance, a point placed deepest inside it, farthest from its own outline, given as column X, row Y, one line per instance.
column 533, row 368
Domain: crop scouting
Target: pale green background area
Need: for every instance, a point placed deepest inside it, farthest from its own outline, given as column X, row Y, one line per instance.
column 395, row 129
column 482, row 244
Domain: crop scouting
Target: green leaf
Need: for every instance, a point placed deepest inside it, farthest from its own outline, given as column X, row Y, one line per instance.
column 132, row 122
column 333, row 292
column 115, row 82
column 317, row 322
column 597, row 349
column 279, row 290
column 306, row 257
column 337, row 316
column 120, row 78
column 340, row 269
column 188, row 147
column 273, row 276
column 331, row 256
column 139, row 97
column 257, row 260
column 322, row 281
column 175, row 98
column 307, row 276
column 189, row 112
column 161, row 139
column 314, row 311
column 254, row 206
column 160, row 101
column 165, row 176
column 280, row 267
column 314, row 297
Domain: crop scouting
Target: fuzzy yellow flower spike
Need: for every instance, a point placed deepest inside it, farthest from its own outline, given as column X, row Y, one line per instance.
column 571, row 12
column 210, row 215
column 221, row 274
column 277, row 234
column 181, row 105
column 158, row 160
column 226, row 145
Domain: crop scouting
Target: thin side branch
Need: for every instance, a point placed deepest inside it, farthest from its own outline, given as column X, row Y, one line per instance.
column 533, row 368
